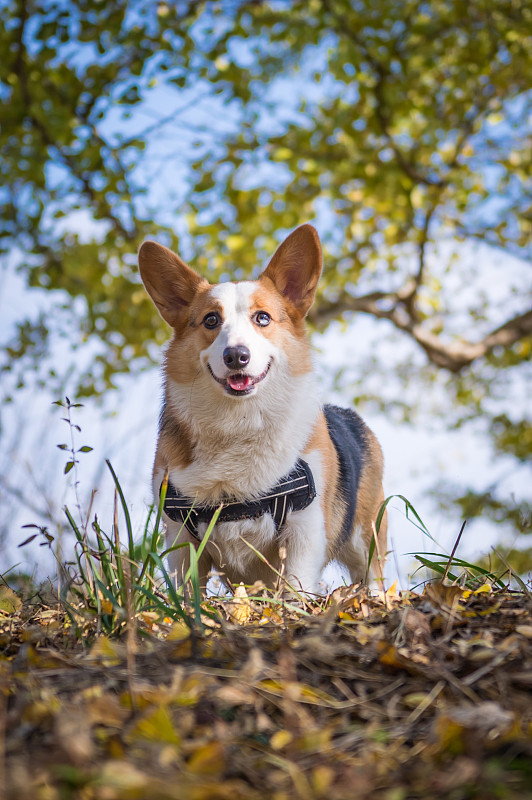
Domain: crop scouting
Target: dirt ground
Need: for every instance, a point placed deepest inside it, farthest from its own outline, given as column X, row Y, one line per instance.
column 369, row 697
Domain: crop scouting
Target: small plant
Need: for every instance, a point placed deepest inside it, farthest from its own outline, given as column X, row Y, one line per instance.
column 116, row 582
column 120, row 582
column 72, row 463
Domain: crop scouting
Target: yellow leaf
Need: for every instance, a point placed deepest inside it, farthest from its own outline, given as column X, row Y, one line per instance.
column 269, row 615
column 240, row 609
column 368, row 633
column 346, row 615
column 207, row 760
column 178, row 632
column 449, row 734
column 282, row 153
column 10, row 602
column 417, row 196
column 189, row 692
column 321, row 778
column 106, row 652
column 273, row 686
column 156, row 727
column 316, row 695
column 107, row 606
column 390, row 657
column 281, row 739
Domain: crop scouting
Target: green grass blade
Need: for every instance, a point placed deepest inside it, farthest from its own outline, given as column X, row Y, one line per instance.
column 168, row 610
column 155, row 534
column 212, row 523
column 160, row 507
column 131, row 544
column 522, row 585
column 174, row 597
column 459, row 562
column 193, row 576
column 436, row 567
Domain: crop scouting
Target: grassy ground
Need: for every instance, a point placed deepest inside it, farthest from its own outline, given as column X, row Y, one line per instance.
column 355, row 696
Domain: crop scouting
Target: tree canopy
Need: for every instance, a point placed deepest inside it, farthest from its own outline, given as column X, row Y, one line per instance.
column 403, row 128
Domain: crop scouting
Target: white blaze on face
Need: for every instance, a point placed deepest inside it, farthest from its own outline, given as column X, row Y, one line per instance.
column 238, row 329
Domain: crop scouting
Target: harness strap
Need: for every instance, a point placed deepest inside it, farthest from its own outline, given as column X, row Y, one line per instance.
column 294, row 492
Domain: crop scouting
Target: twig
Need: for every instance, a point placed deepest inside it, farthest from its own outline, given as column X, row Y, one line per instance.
column 447, row 568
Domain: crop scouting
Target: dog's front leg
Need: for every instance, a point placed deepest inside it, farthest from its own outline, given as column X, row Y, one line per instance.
column 179, row 559
column 306, row 545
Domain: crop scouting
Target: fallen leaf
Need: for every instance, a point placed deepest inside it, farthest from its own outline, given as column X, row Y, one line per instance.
column 239, row 609
column 444, row 598
column 207, row 760
column 155, row 726
column 107, row 652
column 281, row 739
column 123, row 777
column 10, row 602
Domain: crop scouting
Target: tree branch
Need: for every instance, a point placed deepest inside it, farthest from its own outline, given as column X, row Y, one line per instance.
column 453, row 356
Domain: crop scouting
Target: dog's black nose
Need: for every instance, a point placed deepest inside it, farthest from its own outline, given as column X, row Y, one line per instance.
column 236, row 357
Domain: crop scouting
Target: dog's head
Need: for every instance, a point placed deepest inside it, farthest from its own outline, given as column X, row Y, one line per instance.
column 236, row 335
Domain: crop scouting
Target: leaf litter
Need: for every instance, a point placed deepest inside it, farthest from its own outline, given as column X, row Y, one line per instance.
column 370, row 695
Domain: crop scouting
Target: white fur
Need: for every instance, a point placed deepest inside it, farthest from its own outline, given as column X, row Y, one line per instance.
column 238, row 329
column 305, row 538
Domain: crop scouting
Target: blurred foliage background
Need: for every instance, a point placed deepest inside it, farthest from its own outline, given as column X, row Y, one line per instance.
column 402, row 129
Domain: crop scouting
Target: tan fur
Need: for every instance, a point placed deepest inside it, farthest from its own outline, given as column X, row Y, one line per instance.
column 370, row 495
column 369, row 499
column 333, row 511
column 175, row 447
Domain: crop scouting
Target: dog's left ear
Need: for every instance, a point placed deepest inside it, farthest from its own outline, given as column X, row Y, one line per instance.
column 295, row 267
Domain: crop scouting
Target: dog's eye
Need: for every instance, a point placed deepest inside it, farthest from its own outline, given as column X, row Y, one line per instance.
column 262, row 318
column 211, row 320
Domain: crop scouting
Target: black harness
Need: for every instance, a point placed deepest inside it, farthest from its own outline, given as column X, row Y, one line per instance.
column 294, row 492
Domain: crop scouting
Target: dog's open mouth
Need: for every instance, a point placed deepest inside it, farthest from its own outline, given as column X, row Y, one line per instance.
column 239, row 383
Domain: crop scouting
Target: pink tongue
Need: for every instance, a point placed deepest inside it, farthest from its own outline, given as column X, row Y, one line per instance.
column 239, row 382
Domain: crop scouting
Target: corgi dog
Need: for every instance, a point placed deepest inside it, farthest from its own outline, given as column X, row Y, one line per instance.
column 241, row 426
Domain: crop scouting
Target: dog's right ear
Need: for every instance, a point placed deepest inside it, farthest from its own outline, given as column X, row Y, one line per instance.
column 170, row 282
